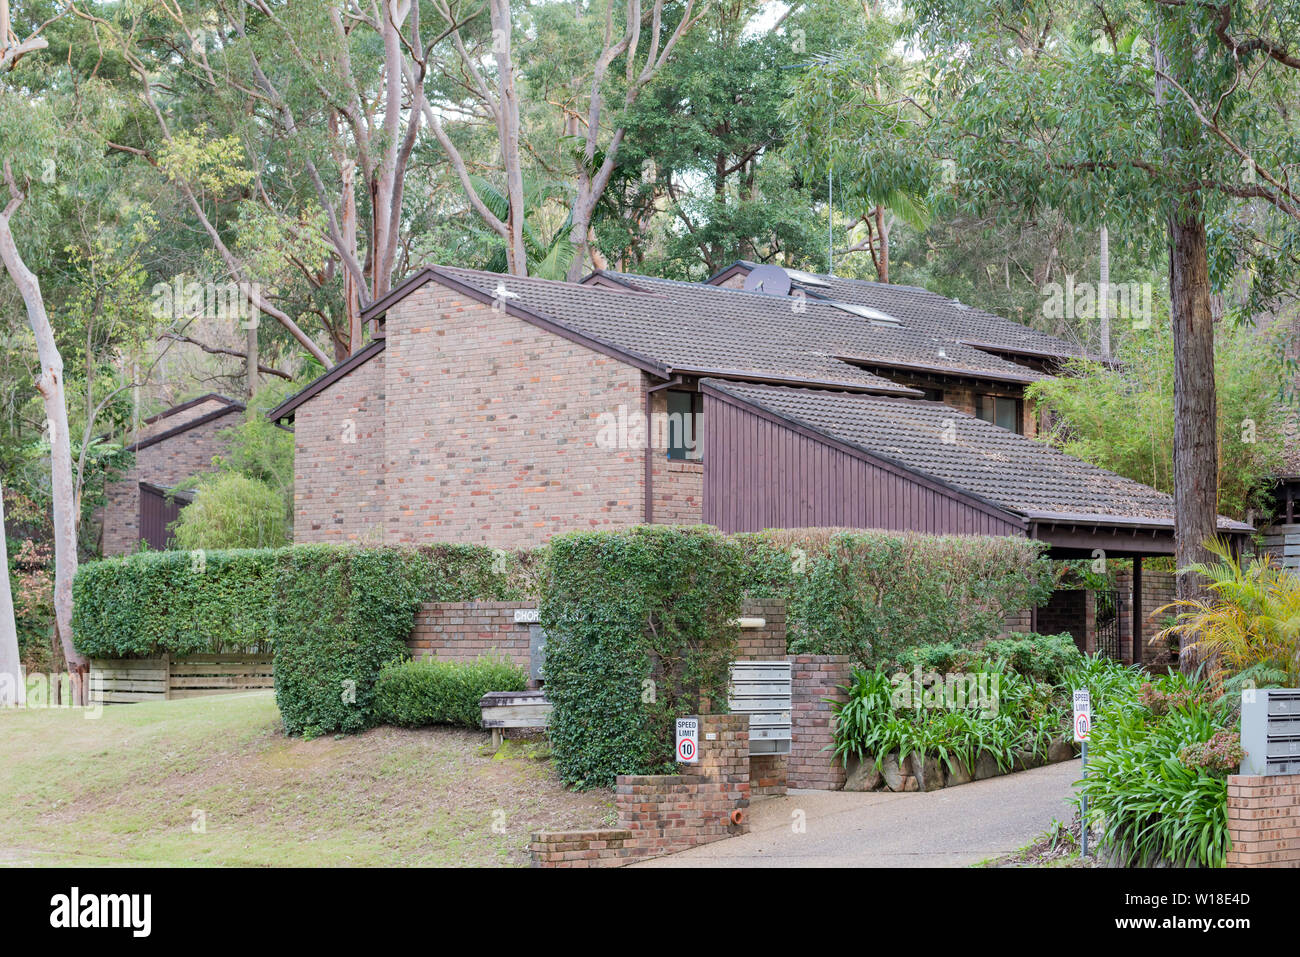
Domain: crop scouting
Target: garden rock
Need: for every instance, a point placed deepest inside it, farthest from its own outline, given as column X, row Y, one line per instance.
column 862, row 775
column 1060, row 750
column 1026, row 760
column 927, row 770
column 892, row 773
column 959, row 773
column 986, row 766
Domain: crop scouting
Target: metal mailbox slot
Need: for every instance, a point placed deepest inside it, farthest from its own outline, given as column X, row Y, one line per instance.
column 763, row 690
column 1270, row 731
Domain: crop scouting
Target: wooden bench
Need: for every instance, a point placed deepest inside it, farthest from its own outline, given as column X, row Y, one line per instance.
column 514, row 709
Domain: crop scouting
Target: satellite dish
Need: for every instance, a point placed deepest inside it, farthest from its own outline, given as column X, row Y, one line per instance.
column 769, row 279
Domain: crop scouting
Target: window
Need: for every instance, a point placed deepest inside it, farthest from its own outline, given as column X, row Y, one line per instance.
column 1001, row 411
column 683, row 428
column 931, row 395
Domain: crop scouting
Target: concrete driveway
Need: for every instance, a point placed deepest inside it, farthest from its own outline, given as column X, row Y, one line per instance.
column 954, row 827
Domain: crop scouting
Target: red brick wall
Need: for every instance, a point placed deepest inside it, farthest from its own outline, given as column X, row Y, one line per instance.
column 164, row 464
column 1157, row 591
column 461, row 631
column 492, row 426
column 816, row 677
column 678, row 485
column 662, row 813
column 1264, row 820
column 339, row 486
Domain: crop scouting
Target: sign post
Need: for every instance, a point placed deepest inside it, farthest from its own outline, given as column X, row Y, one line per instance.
column 1082, row 731
column 688, row 740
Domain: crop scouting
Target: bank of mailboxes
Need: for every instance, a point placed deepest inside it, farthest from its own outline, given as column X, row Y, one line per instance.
column 1270, row 731
column 761, row 689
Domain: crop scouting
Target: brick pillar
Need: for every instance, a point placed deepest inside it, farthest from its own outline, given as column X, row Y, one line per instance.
column 815, row 678
column 1264, row 820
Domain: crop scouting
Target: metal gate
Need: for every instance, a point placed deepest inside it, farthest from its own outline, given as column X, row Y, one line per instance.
column 1106, row 603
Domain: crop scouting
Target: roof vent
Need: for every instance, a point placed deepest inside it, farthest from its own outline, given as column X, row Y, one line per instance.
column 769, row 279
column 875, row 316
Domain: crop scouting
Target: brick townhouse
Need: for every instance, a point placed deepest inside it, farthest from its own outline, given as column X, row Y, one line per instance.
column 484, row 407
column 169, row 448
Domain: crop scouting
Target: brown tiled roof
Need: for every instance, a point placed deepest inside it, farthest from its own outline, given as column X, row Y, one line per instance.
column 967, row 454
column 181, row 418
column 695, row 327
column 934, row 314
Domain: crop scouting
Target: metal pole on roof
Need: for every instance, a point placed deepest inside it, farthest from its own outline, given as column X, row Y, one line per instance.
column 830, row 188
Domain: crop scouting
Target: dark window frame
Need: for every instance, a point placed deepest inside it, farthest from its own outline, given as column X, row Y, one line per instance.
column 676, row 452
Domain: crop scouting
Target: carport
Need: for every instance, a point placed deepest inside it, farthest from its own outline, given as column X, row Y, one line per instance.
column 781, row 457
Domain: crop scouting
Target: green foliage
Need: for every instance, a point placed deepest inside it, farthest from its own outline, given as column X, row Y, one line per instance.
column 332, row 615
column 232, row 511
column 1156, row 780
column 997, row 709
column 260, row 449
column 418, row 693
column 341, row 614
column 1122, row 418
column 872, row 594
column 154, row 602
column 1045, row 658
column 640, row 630
column 1249, row 619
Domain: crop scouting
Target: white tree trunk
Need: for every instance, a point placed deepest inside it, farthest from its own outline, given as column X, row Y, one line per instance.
column 12, row 690
column 50, row 385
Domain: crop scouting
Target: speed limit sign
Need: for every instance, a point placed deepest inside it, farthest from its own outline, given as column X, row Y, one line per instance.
column 688, row 740
column 1082, row 715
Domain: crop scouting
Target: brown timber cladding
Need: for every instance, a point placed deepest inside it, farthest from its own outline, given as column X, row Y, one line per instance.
column 156, row 679
column 764, row 474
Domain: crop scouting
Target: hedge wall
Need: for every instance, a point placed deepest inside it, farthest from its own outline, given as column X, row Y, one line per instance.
column 177, row 602
column 332, row 614
column 871, row 594
column 640, row 630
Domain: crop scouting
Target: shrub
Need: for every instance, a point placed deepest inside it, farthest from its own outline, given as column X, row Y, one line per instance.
column 233, row 511
column 332, row 614
column 882, row 713
column 1248, row 621
column 174, row 602
column 872, row 594
column 1157, row 777
column 341, row 614
column 417, row 693
column 640, row 630
column 1040, row 657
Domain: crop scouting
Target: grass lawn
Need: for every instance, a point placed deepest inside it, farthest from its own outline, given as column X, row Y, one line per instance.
column 215, row 781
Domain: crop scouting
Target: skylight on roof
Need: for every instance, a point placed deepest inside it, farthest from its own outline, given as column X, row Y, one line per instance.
column 807, row 278
column 866, row 312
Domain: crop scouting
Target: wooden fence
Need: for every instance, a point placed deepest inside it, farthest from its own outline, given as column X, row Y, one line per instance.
column 156, row 679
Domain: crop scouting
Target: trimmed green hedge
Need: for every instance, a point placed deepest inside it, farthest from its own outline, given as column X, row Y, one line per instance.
column 640, row 630
column 418, row 693
column 341, row 614
column 209, row 601
column 332, row 614
column 872, row 594
column 174, row 602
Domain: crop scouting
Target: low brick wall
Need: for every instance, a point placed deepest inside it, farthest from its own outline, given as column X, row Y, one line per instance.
column 816, row 677
column 1264, row 820
column 464, row 630
column 662, row 813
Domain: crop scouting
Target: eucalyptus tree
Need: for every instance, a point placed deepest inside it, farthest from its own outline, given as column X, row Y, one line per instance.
column 1171, row 121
